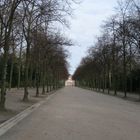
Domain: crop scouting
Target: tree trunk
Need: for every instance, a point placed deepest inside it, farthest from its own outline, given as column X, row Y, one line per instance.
column 19, row 65
column 11, row 70
column 43, row 85
column 26, row 82
column 108, row 77
column 130, row 68
column 124, row 71
column 37, row 85
column 11, row 74
column 47, row 86
column 4, row 73
column 104, row 79
column 43, row 77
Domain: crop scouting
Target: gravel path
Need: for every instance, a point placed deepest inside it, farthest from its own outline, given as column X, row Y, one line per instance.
column 78, row 114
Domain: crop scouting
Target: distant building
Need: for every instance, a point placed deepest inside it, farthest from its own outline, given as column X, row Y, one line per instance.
column 70, row 82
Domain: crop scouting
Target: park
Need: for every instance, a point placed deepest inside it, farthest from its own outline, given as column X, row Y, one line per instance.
column 69, row 70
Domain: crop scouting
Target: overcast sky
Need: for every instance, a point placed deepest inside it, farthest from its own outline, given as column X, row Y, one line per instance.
column 85, row 27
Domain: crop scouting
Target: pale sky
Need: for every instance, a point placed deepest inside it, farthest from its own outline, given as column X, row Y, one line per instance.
column 85, row 27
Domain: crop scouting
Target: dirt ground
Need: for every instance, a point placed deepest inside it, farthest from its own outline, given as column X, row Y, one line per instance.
column 14, row 103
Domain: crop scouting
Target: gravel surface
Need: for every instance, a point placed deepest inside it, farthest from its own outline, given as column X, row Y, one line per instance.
column 78, row 114
column 14, row 103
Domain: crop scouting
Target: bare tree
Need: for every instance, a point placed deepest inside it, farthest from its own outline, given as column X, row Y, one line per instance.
column 7, row 12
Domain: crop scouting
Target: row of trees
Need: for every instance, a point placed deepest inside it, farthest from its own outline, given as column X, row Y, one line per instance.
column 31, row 45
column 113, row 63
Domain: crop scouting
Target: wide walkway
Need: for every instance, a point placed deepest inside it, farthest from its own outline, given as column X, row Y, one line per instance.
column 78, row 114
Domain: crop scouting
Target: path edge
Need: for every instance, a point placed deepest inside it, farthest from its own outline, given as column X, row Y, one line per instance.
column 7, row 125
